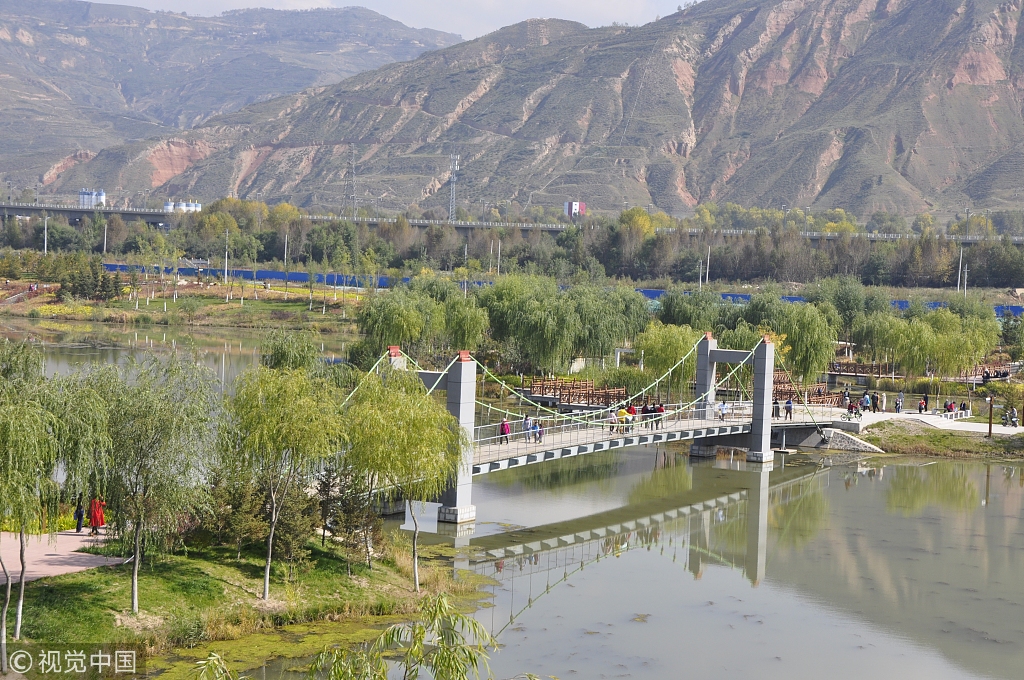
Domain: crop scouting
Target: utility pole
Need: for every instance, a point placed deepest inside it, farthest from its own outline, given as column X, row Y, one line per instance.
column 46, row 233
column 707, row 270
column 960, row 269
column 454, row 158
column 227, row 294
column 499, row 257
column 104, row 237
column 286, row 263
column 965, row 283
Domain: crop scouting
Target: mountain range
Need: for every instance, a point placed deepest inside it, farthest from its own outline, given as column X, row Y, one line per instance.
column 897, row 105
column 78, row 77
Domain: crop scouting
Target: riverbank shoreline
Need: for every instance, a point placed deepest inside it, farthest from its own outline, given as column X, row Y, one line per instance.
column 200, row 306
column 207, row 602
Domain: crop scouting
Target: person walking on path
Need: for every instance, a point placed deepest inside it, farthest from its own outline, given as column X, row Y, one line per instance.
column 925, row 400
column 96, row 519
column 540, row 431
column 661, row 416
column 612, row 420
column 883, row 402
column 789, row 409
column 504, row 429
column 776, row 413
column 527, row 427
column 79, row 517
column 722, row 408
column 874, row 402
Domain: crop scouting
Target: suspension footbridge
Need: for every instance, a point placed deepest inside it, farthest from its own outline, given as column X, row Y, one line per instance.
column 743, row 423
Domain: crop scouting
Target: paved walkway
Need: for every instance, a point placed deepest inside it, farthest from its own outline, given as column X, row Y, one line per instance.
column 941, row 423
column 50, row 557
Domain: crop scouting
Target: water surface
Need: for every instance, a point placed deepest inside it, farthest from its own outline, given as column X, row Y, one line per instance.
column 640, row 564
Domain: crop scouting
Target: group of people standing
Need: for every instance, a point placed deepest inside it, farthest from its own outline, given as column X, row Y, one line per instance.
column 95, row 516
column 651, row 417
column 777, row 409
column 531, row 428
column 869, row 401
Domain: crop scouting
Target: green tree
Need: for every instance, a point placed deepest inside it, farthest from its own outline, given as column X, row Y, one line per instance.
column 282, row 424
column 664, row 345
column 405, row 441
column 160, row 416
column 811, row 341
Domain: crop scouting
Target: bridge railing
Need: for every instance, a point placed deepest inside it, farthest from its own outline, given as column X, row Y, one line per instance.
column 491, row 445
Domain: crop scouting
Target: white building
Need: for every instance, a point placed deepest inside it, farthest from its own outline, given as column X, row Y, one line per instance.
column 87, row 198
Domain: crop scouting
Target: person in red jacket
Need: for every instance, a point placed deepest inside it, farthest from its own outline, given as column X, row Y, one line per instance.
column 96, row 519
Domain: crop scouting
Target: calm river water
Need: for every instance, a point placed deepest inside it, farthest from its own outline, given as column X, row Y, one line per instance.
column 71, row 344
column 639, row 563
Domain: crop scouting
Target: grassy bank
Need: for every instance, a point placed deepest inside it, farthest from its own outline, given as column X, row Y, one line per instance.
column 917, row 439
column 199, row 306
column 207, row 601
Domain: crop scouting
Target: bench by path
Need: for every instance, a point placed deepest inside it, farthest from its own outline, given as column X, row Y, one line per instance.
column 45, row 557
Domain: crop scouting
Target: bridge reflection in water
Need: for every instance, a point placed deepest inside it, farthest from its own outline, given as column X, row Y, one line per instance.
column 706, row 513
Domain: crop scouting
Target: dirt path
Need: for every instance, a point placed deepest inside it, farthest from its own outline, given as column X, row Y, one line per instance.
column 50, row 556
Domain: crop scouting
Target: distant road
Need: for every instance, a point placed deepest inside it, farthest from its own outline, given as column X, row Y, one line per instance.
column 75, row 214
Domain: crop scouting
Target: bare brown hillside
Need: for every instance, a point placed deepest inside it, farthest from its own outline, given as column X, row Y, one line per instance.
column 76, row 77
column 902, row 105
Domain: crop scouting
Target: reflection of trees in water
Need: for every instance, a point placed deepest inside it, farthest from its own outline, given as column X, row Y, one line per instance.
column 797, row 513
column 666, row 482
column 558, row 474
column 944, row 484
column 729, row 530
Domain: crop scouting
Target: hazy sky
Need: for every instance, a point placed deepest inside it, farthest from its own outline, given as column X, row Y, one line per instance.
column 470, row 18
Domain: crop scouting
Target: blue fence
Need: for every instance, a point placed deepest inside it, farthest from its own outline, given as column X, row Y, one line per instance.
column 386, row 282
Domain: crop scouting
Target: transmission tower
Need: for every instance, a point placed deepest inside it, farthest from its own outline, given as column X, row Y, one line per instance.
column 352, row 182
column 455, row 174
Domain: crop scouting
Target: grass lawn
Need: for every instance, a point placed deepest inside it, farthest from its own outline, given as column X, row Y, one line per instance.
column 208, row 601
column 912, row 438
column 271, row 310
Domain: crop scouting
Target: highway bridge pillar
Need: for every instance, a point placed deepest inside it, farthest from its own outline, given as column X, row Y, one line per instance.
column 457, row 502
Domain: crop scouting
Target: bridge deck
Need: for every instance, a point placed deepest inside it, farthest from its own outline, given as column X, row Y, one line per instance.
column 491, row 456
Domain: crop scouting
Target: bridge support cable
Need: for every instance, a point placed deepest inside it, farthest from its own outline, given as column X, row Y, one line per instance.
column 803, row 399
column 575, row 425
column 617, row 405
column 373, row 369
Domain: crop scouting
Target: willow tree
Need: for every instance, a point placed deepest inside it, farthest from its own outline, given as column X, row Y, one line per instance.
column 282, row 424
column 24, row 441
column 160, row 419
column 811, row 341
column 404, row 442
column 663, row 346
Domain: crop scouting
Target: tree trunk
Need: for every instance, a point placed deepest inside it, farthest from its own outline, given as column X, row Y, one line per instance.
column 415, row 551
column 136, row 558
column 270, row 553
column 3, row 617
column 21, row 584
column 367, row 522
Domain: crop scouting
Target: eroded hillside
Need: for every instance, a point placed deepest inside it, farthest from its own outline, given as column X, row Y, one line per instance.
column 902, row 105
